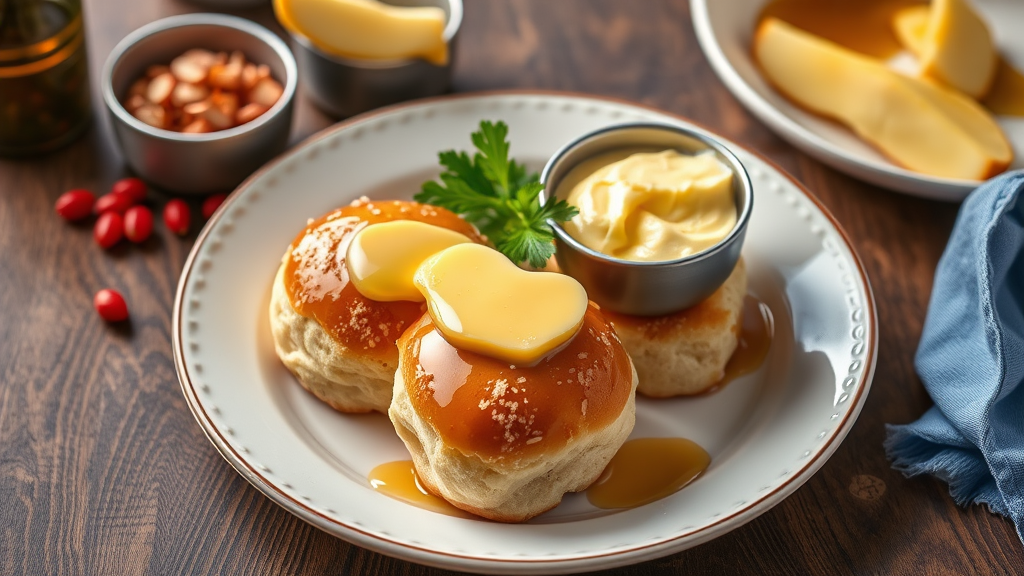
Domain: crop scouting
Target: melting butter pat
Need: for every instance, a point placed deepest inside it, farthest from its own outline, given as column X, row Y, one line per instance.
column 367, row 28
column 382, row 258
column 481, row 302
column 647, row 206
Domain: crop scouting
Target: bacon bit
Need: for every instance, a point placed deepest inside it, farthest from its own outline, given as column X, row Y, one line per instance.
column 152, row 114
column 250, row 112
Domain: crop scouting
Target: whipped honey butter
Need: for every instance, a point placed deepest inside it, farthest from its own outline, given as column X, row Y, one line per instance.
column 650, row 206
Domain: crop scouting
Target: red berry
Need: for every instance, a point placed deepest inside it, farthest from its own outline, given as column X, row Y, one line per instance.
column 138, row 224
column 131, row 186
column 109, row 229
column 177, row 216
column 211, row 204
column 110, row 305
column 75, row 204
column 113, row 202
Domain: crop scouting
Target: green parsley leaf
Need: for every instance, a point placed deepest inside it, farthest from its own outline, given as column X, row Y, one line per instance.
column 499, row 196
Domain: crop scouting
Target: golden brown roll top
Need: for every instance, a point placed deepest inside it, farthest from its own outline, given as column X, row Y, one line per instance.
column 318, row 287
column 497, row 411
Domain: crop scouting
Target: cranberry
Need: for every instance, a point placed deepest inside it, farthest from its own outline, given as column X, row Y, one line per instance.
column 131, row 186
column 109, row 229
column 110, row 305
column 177, row 216
column 211, row 204
column 75, row 204
column 138, row 224
column 114, row 202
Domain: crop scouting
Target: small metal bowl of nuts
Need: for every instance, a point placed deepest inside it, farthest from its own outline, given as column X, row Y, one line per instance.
column 200, row 101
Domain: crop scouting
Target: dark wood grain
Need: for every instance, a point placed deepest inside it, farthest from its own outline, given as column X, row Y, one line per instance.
column 104, row 471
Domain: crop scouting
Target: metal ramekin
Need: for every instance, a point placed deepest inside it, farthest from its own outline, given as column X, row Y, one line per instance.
column 198, row 163
column 343, row 87
column 648, row 288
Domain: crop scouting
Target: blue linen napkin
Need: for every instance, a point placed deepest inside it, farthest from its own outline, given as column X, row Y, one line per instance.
column 971, row 359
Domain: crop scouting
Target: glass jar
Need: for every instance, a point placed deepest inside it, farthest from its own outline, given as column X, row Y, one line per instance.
column 44, row 75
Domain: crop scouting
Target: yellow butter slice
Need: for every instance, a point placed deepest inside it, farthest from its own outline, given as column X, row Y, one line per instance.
column 482, row 302
column 382, row 258
column 368, row 29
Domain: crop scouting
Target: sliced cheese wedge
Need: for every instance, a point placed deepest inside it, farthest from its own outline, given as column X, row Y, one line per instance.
column 918, row 124
column 958, row 49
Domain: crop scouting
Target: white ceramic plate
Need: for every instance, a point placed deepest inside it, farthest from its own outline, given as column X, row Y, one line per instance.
column 767, row 432
column 724, row 29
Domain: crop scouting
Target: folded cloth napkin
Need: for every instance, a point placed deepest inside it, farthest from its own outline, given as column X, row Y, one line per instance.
column 971, row 359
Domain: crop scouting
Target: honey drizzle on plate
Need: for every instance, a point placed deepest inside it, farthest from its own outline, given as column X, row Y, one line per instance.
column 399, row 481
column 757, row 328
column 648, row 469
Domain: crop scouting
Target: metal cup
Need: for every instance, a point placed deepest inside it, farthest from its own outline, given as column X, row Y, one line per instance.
column 343, row 87
column 648, row 288
column 198, row 163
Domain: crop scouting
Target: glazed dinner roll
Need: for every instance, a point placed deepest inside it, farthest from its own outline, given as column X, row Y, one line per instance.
column 685, row 352
column 339, row 344
column 507, row 442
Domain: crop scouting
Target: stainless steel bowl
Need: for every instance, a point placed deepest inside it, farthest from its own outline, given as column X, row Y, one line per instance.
column 198, row 163
column 648, row 288
column 343, row 87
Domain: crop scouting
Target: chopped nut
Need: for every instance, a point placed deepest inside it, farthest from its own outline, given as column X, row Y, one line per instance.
column 218, row 119
column 198, row 126
column 160, row 88
column 201, row 57
column 188, row 71
column 266, row 92
column 249, row 112
column 185, row 93
column 152, row 114
column 226, row 101
column 222, row 76
column 197, row 108
column 228, row 76
column 135, row 102
column 249, row 77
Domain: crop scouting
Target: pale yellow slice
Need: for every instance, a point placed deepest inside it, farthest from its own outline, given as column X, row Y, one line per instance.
column 1005, row 96
column 918, row 124
column 958, row 49
column 368, row 29
column 910, row 25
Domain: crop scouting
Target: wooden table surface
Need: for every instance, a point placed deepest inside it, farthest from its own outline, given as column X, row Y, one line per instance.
column 104, row 471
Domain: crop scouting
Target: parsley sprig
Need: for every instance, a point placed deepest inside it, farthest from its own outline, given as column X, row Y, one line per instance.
column 499, row 196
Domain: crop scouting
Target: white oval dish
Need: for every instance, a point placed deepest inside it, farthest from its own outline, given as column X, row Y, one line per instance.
column 767, row 432
column 724, row 30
